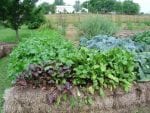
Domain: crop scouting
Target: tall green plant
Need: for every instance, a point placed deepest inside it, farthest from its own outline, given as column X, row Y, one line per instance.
column 97, row 25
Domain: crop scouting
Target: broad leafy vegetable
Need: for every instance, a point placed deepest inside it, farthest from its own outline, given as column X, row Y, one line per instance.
column 140, row 50
column 45, row 46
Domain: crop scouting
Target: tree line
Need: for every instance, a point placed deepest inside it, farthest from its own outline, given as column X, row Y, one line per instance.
column 98, row 6
column 105, row 6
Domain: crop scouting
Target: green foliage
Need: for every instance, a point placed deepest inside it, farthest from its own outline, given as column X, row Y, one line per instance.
column 118, row 7
column 8, row 35
column 144, row 57
column 103, row 70
column 147, row 22
column 37, row 19
column 102, row 6
column 59, row 2
column 71, row 66
column 52, row 8
column 85, row 4
column 135, row 26
column 41, row 47
column 84, row 67
column 140, row 50
column 105, row 6
column 18, row 13
column 97, row 25
column 3, row 9
column 129, row 7
column 143, row 37
column 45, row 7
column 47, row 25
column 144, row 66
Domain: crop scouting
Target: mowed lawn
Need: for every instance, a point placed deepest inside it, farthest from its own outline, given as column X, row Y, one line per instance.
column 9, row 35
column 4, row 80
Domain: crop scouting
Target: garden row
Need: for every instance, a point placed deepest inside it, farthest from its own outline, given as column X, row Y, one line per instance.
column 100, row 63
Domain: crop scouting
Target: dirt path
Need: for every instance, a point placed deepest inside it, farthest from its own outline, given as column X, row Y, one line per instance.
column 72, row 34
column 127, row 33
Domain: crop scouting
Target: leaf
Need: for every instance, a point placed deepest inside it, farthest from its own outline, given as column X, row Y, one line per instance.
column 101, row 92
column 94, row 77
column 113, row 78
column 96, row 66
column 91, row 90
column 90, row 101
column 103, row 68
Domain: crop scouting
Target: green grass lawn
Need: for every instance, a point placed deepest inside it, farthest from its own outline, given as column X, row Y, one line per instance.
column 9, row 35
column 4, row 81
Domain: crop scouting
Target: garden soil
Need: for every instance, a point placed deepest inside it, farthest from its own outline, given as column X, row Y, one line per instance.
column 72, row 34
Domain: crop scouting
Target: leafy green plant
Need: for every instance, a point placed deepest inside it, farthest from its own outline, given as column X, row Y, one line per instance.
column 140, row 50
column 37, row 19
column 103, row 70
column 97, row 25
column 47, row 59
column 47, row 25
column 85, row 68
column 142, row 37
column 41, row 47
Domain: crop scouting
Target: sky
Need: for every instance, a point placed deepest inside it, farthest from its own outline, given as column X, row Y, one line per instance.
column 144, row 4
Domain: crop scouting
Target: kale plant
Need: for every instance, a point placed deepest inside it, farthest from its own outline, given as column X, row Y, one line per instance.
column 141, row 50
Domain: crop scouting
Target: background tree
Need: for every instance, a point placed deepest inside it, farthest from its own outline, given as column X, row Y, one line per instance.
column 36, row 18
column 85, row 4
column 45, row 7
column 3, row 9
column 118, row 7
column 52, row 8
column 129, row 7
column 102, row 6
column 77, row 6
column 59, row 2
column 17, row 13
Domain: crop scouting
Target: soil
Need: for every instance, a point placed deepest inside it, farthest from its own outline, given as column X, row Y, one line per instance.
column 137, row 100
column 72, row 34
column 127, row 33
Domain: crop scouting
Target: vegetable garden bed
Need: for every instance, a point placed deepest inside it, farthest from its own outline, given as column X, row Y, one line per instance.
column 52, row 75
